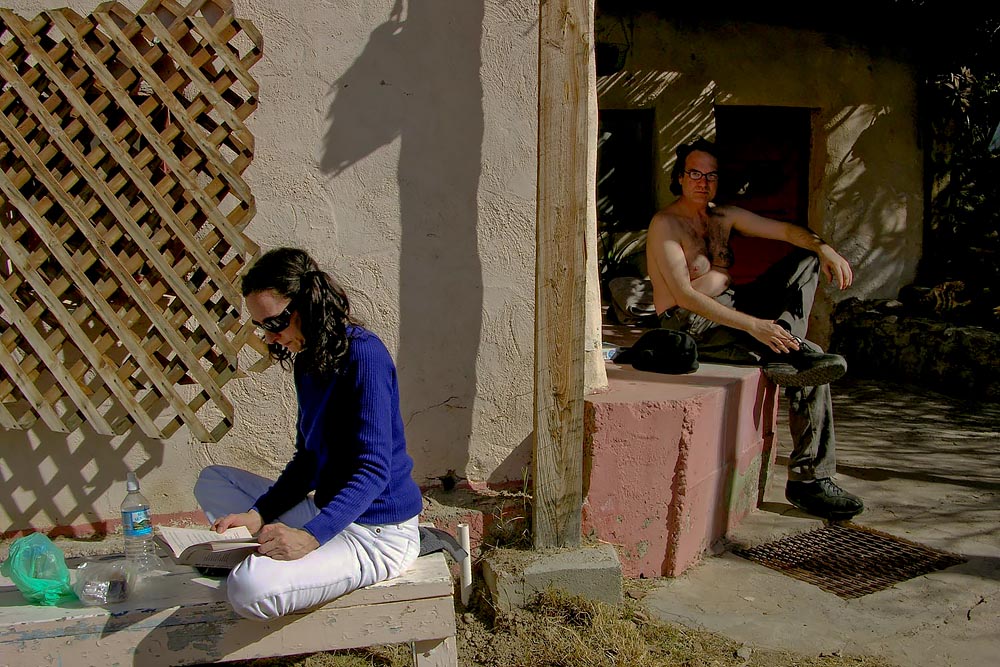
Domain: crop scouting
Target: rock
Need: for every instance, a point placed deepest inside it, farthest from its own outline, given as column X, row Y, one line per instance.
column 884, row 341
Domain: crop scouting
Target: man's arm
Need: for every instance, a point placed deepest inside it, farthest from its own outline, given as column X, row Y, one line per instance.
column 836, row 269
column 670, row 262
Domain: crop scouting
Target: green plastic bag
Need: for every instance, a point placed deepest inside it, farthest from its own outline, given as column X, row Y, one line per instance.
column 38, row 569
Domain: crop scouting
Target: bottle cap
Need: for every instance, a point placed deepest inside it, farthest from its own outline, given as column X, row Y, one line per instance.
column 131, row 483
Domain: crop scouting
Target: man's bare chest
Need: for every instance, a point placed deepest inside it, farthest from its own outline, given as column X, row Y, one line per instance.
column 709, row 240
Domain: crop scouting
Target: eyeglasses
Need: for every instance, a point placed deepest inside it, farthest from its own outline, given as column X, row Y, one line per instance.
column 696, row 175
column 277, row 323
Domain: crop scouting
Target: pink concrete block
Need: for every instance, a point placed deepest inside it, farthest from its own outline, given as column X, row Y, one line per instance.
column 674, row 462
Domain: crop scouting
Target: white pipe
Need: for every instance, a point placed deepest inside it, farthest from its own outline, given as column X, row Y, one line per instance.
column 466, row 581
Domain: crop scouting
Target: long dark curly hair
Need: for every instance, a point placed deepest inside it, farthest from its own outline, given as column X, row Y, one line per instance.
column 316, row 296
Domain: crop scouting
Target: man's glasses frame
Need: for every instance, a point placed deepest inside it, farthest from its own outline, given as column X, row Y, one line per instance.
column 695, row 175
column 277, row 323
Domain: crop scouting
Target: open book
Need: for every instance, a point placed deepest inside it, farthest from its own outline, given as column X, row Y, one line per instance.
column 207, row 548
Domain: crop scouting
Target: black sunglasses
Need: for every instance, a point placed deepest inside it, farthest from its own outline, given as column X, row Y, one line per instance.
column 277, row 323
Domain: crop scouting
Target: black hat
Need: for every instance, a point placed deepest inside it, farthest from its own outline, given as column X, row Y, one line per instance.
column 661, row 351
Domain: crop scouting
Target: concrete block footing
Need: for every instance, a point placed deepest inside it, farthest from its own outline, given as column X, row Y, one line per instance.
column 675, row 463
column 515, row 577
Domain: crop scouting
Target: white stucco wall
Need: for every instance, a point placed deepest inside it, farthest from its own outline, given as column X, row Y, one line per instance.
column 395, row 141
column 865, row 191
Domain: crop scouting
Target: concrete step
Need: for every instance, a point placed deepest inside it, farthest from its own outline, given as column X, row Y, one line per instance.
column 675, row 462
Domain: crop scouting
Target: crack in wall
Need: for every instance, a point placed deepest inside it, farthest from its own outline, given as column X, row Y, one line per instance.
column 432, row 407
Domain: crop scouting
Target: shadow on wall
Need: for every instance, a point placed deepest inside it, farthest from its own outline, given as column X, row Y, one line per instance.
column 875, row 187
column 54, row 481
column 418, row 79
column 684, row 106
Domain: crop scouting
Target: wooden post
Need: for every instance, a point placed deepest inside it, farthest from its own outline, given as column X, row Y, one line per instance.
column 566, row 139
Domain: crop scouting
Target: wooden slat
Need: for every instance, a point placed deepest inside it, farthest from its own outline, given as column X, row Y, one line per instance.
column 70, row 325
column 181, row 618
column 181, row 586
column 126, row 281
column 48, row 357
column 236, row 125
column 113, row 285
column 166, row 96
column 30, row 392
column 238, row 67
column 566, row 134
column 152, row 135
column 94, row 180
column 168, row 330
column 181, row 115
column 112, row 202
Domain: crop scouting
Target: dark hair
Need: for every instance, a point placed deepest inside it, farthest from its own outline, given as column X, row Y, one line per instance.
column 699, row 144
column 316, row 296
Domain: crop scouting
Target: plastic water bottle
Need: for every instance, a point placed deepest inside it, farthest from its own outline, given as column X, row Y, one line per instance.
column 137, row 524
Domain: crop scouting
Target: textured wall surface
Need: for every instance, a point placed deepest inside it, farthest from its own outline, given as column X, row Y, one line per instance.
column 866, row 168
column 395, row 141
column 674, row 463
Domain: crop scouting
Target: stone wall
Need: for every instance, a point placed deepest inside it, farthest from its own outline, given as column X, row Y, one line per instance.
column 883, row 339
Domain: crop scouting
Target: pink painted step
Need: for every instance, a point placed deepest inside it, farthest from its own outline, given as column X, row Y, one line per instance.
column 674, row 462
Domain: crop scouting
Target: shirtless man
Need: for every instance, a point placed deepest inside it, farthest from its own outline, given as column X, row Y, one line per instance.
column 764, row 323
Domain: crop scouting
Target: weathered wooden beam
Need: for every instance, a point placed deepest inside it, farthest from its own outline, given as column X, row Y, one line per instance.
column 567, row 138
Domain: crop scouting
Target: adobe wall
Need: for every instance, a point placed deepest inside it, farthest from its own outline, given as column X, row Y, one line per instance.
column 396, row 141
column 866, row 181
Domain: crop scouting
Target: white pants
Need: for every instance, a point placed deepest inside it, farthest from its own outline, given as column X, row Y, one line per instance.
column 263, row 588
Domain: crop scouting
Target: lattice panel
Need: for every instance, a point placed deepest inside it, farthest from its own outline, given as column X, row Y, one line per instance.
column 122, row 208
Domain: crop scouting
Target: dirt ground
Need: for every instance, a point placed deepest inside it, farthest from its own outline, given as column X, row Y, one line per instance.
column 555, row 631
column 926, row 466
column 562, row 631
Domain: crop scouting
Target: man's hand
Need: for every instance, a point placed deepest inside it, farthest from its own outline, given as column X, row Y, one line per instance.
column 775, row 336
column 251, row 519
column 836, row 269
column 282, row 542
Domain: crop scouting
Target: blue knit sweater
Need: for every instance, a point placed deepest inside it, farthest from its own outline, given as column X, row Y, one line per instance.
column 349, row 447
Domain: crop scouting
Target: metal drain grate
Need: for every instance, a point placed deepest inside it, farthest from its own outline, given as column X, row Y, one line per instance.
column 848, row 560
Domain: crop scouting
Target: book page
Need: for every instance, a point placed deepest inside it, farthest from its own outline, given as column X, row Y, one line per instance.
column 229, row 545
column 223, row 559
column 179, row 539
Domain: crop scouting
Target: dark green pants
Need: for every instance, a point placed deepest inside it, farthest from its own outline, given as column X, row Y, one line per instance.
column 785, row 292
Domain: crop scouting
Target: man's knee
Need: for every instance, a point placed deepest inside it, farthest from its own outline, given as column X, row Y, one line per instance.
column 800, row 262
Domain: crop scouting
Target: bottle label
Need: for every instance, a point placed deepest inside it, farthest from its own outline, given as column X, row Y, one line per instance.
column 136, row 523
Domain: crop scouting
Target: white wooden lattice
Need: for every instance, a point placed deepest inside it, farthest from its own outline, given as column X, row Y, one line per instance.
column 122, row 209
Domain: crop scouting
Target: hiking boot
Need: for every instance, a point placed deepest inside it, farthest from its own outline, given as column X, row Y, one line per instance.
column 805, row 367
column 823, row 498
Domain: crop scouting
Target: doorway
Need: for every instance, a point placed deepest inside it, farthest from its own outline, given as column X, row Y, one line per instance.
column 626, row 196
column 765, row 154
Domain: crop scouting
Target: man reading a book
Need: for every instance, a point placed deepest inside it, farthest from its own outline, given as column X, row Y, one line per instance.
column 360, row 525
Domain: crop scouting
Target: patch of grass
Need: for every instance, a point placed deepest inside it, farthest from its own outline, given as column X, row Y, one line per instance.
column 377, row 656
column 560, row 630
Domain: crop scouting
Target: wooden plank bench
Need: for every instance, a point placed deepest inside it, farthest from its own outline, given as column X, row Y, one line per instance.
column 183, row 618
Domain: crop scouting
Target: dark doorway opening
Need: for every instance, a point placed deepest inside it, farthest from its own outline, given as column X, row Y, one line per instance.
column 626, row 192
column 764, row 154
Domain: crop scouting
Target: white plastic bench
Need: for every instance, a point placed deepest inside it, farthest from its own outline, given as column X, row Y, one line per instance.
column 183, row 618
